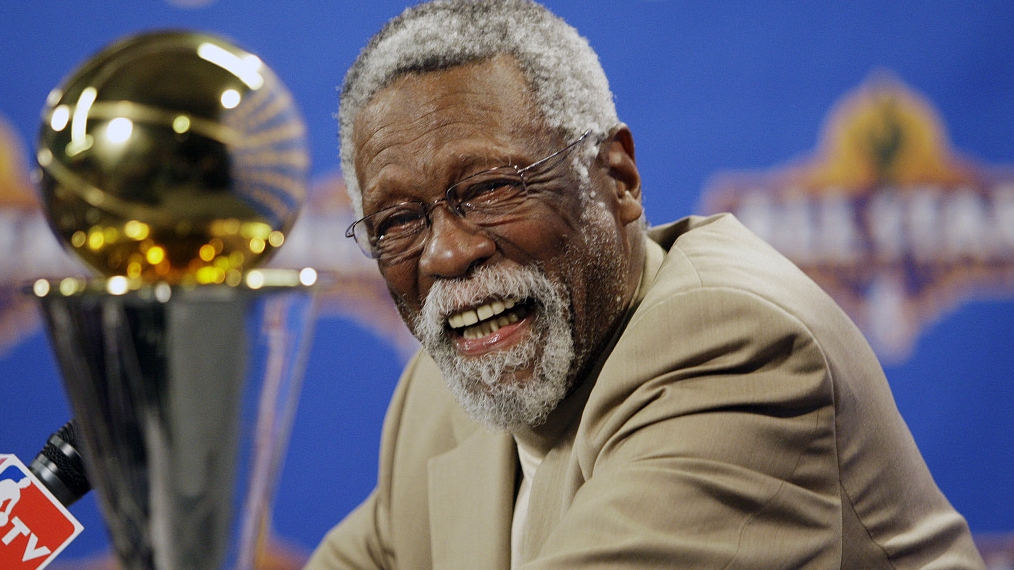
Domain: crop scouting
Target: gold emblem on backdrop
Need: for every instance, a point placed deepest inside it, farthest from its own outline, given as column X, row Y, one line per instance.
column 897, row 226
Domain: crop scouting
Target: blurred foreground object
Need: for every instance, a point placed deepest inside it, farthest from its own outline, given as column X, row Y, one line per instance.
column 174, row 163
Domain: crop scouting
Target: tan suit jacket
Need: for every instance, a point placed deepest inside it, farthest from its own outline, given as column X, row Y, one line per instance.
column 740, row 420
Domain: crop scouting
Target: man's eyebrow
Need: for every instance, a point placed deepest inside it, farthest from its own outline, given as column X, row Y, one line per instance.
column 477, row 161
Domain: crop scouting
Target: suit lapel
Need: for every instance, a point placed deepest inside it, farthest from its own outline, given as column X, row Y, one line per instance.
column 555, row 484
column 471, row 500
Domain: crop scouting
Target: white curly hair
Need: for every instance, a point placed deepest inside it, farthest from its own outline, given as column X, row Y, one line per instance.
column 562, row 70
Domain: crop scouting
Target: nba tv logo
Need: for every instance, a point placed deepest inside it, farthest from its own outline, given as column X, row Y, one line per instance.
column 34, row 526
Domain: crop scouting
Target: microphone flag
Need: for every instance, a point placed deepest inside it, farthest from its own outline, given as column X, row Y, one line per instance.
column 34, row 526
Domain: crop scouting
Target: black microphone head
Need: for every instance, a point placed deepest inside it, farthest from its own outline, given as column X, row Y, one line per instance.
column 60, row 468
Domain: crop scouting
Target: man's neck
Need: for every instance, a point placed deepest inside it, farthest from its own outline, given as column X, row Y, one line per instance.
column 541, row 438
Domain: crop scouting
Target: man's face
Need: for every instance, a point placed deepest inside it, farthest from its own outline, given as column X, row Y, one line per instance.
column 555, row 274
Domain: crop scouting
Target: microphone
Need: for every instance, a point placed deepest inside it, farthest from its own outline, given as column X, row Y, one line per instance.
column 34, row 521
column 59, row 466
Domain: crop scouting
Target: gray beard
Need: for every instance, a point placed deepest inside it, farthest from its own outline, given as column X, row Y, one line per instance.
column 485, row 386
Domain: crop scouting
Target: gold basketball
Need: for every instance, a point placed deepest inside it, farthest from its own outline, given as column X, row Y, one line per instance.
column 172, row 156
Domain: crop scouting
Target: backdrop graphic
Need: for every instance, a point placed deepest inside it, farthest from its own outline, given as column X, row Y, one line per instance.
column 732, row 106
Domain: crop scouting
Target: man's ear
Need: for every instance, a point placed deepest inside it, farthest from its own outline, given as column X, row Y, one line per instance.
column 623, row 171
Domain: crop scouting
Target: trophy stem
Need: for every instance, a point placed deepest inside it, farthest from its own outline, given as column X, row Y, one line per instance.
column 185, row 398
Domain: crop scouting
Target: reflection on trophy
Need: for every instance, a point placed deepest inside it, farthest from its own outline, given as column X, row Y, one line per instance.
column 174, row 164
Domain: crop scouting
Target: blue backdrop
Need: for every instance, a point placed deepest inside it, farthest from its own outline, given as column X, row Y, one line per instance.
column 707, row 88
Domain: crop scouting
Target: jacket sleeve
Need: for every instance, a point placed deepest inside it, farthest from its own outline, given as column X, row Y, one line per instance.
column 711, row 440
column 354, row 543
column 708, row 443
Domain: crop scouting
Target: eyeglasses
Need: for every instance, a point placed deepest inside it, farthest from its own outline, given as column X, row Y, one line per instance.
column 484, row 199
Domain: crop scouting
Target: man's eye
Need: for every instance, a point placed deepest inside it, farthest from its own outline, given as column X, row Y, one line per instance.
column 396, row 224
column 490, row 191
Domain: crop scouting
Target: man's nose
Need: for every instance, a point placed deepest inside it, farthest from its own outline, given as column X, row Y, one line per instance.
column 454, row 246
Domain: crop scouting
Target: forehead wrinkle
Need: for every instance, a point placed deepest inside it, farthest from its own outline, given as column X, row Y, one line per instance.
column 402, row 146
column 422, row 100
column 394, row 132
column 431, row 129
column 397, row 147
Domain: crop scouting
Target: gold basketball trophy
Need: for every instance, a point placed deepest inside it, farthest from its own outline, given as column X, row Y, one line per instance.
column 174, row 163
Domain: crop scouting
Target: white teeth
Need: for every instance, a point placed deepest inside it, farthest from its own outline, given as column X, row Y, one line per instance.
column 480, row 330
column 488, row 327
column 484, row 312
column 484, row 320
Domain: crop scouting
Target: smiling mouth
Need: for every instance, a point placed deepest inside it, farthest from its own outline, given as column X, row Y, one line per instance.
column 487, row 318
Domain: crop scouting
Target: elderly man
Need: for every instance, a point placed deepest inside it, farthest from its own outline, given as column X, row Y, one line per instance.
column 592, row 394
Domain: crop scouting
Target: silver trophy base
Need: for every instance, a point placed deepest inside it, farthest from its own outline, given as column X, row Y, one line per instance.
column 185, row 397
